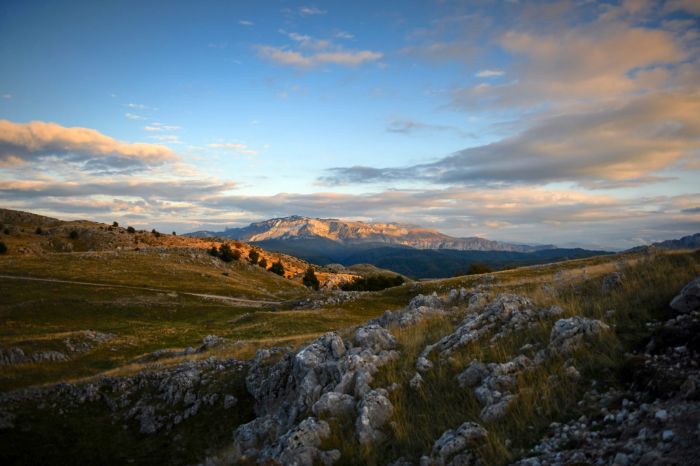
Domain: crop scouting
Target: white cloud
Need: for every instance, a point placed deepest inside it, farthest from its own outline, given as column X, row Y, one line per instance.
column 245, row 22
column 133, row 116
column 7, row 96
column 286, row 56
column 489, row 73
column 311, row 11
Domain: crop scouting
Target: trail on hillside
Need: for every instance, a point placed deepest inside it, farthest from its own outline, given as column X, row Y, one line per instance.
column 229, row 299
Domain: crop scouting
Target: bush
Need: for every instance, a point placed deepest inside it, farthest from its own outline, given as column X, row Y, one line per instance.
column 130, row 230
column 214, row 252
column 277, row 268
column 39, row 231
column 227, row 254
column 6, row 231
column 155, row 233
column 373, row 283
column 478, row 268
column 174, row 234
column 253, row 256
column 115, row 224
column 263, row 263
column 310, row 279
column 73, row 234
column 3, row 248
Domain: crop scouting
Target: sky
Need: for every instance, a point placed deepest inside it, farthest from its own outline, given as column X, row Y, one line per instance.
column 575, row 123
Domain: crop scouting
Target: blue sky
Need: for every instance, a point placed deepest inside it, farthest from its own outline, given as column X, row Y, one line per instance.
column 576, row 123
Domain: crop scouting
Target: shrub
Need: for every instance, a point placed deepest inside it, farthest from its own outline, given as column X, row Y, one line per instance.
column 477, row 268
column 174, row 234
column 214, row 252
column 39, row 231
column 373, row 283
column 277, row 268
column 73, row 234
column 226, row 253
column 3, row 248
column 263, row 263
column 130, row 230
column 155, row 233
column 253, row 256
column 115, row 224
column 6, row 231
column 310, row 279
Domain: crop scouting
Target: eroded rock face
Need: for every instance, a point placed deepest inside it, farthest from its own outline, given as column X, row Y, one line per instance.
column 570, row 334
column 453, row 446
column 329, row 378
column 688, row 300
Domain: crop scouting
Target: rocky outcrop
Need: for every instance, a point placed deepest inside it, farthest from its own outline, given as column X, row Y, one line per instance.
column 494, row 385
column 570, row 334
column 506, row 314
column 328, row 378
column 79, row 342
column 612, row 281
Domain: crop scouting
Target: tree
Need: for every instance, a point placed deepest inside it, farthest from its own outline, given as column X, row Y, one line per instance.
column 310, row 279
column 277, row 268
column 3, row 248
column 115, row 224
column 174, row 234
column 73, row 234
column 253, row 256
column 131, row 230
column 155, row 233
column 227, row 254
column 263, row 263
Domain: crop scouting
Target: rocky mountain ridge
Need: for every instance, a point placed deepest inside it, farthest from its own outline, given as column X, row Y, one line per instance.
column 355, row 232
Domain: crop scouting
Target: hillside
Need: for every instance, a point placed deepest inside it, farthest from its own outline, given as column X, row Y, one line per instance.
column 345, row 232
column 31, row 235
column 156, row 365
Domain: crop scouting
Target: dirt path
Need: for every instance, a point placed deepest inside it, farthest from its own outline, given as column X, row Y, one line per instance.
column 228, row 299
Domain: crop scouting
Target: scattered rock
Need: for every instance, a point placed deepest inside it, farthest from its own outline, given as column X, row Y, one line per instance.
column 568, row 335
column 688, row 299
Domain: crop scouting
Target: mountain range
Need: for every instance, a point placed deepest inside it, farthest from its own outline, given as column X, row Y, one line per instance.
column 411, row 250
column 360, row 233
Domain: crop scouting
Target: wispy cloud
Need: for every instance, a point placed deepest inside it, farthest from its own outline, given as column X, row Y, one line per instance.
column 235, row 147
column 284, row 56
column 7, row 96
column 157, row 126
column 133, row 116
column 311, row 11
column 489, row 73
column 410, row 126
column 245, row 22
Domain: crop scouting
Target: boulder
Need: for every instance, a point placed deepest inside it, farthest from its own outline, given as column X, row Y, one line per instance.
column 374, row 337
column 612, row 281
column 457, row 442
column 568, row 335
column 300, row 446
column 374, row 411
column 334, row 404
column 688, row 300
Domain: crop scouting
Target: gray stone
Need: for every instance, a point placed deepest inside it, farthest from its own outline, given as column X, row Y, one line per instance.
column 374, row 411
column 688, row 300
column 334, row 404
column 568, row 335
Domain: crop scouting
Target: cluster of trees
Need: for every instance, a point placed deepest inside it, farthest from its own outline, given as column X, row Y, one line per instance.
column 373, row 283
column 227, row 254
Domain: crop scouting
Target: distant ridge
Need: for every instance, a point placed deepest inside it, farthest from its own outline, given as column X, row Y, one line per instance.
column 355, row 233
column 686, row 242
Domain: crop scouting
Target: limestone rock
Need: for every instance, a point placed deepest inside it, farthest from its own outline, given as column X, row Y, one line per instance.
column 688, row 300
column 374, row 412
